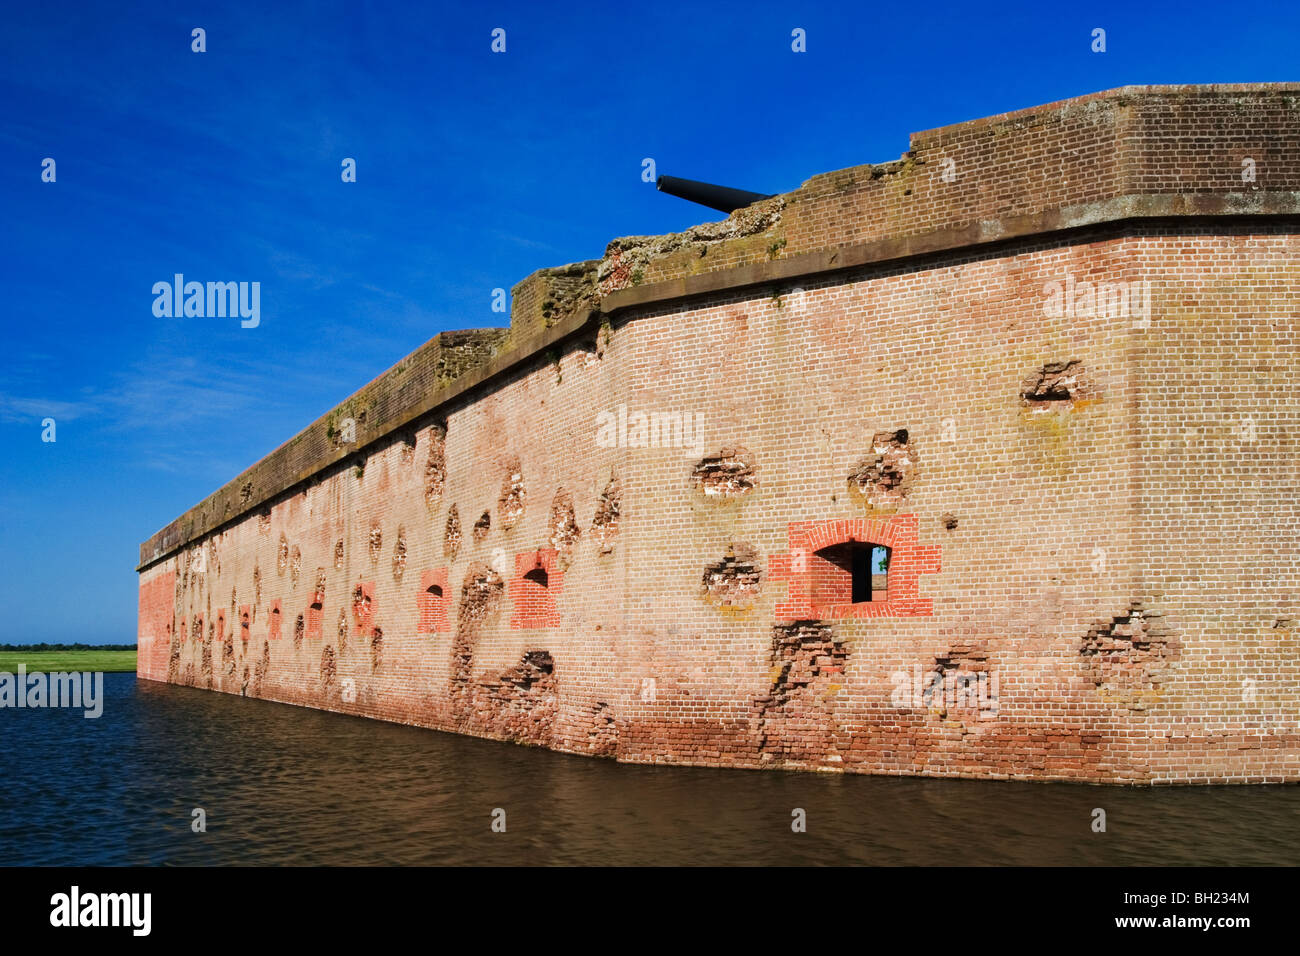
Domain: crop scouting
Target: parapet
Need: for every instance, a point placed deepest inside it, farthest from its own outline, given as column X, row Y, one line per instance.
column 1129, row 154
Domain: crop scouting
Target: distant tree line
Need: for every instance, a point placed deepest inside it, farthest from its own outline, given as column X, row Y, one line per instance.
column 67, row 647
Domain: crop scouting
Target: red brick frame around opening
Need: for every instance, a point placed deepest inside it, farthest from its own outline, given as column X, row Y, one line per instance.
column 908, row 560
column 433, row 607
column 534, row 605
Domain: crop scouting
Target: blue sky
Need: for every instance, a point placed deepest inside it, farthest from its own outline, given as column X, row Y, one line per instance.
column 473, row 170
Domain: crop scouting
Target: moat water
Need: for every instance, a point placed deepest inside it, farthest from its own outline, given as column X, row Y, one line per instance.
column 288, row 785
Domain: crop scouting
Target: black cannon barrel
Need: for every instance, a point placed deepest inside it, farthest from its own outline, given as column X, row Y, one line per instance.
column 723, row 198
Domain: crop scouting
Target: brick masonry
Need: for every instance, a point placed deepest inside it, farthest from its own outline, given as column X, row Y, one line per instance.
column 628, row 525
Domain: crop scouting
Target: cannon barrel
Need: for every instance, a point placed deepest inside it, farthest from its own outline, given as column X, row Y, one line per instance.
column 723, row 198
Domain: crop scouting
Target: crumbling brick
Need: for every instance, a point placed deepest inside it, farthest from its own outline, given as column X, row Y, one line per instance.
column 1058, row 385
column 519, row 703
column 399, row 555
column 510, row 504
column 728, row 474
column 435, row 466
column 734, row 582
column 1128, row 657
column 605, row 522
column 882, row 479
column 451, row 534
column 564, row 526
column 795, row 718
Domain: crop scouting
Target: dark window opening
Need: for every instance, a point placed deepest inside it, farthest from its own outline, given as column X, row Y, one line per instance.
column 852, row 572
column 538, row 576
column 435, row 590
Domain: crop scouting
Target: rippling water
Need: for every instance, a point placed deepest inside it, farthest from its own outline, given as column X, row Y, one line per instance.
column 287, row 785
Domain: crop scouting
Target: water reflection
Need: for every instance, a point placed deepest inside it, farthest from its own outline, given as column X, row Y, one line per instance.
column 287, row 785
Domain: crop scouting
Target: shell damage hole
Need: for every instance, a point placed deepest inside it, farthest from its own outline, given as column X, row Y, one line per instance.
column 480, row 597
column 282, row 558
column 338, row 554
column 228, row 655
column 406, row 448
column 205, row 670
column 728, row 474
column 608, row 512
column 376, row 543
column 261, row 668
column 363, row 608
column 451, row 533
column 328, row 666
column 376, row 648
column 343, row 631
column 510, row 503
column 435, row 466
column 1057, row 385
column 520, row 702
column 796, row 720
column 602, row 736
column 883, row 478
column 564, row 525
column 295, row 566
column 264, row 521
column 399, row 555
column 299, row 628
column 734, row 581
column 1128, row 656
column 482, row 526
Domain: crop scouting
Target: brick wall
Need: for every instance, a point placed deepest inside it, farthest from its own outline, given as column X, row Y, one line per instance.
column 1089, row 513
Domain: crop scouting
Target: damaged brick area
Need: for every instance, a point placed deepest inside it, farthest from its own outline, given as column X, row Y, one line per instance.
column 1128, row 657
column 796, row 718
column 435, row 466
column 510, row 504
column 519, row 703
column 734, row 582
column 602, row 737
column 564, row 526
column 399, row 555
column 605, row 522
column 328, row 666
column 1058, row 385
column 882, row 479
column 480, row 598
column 628, row 260
column 261, row 669
column 482, row 526
column 728, row 474
column 451, row 533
